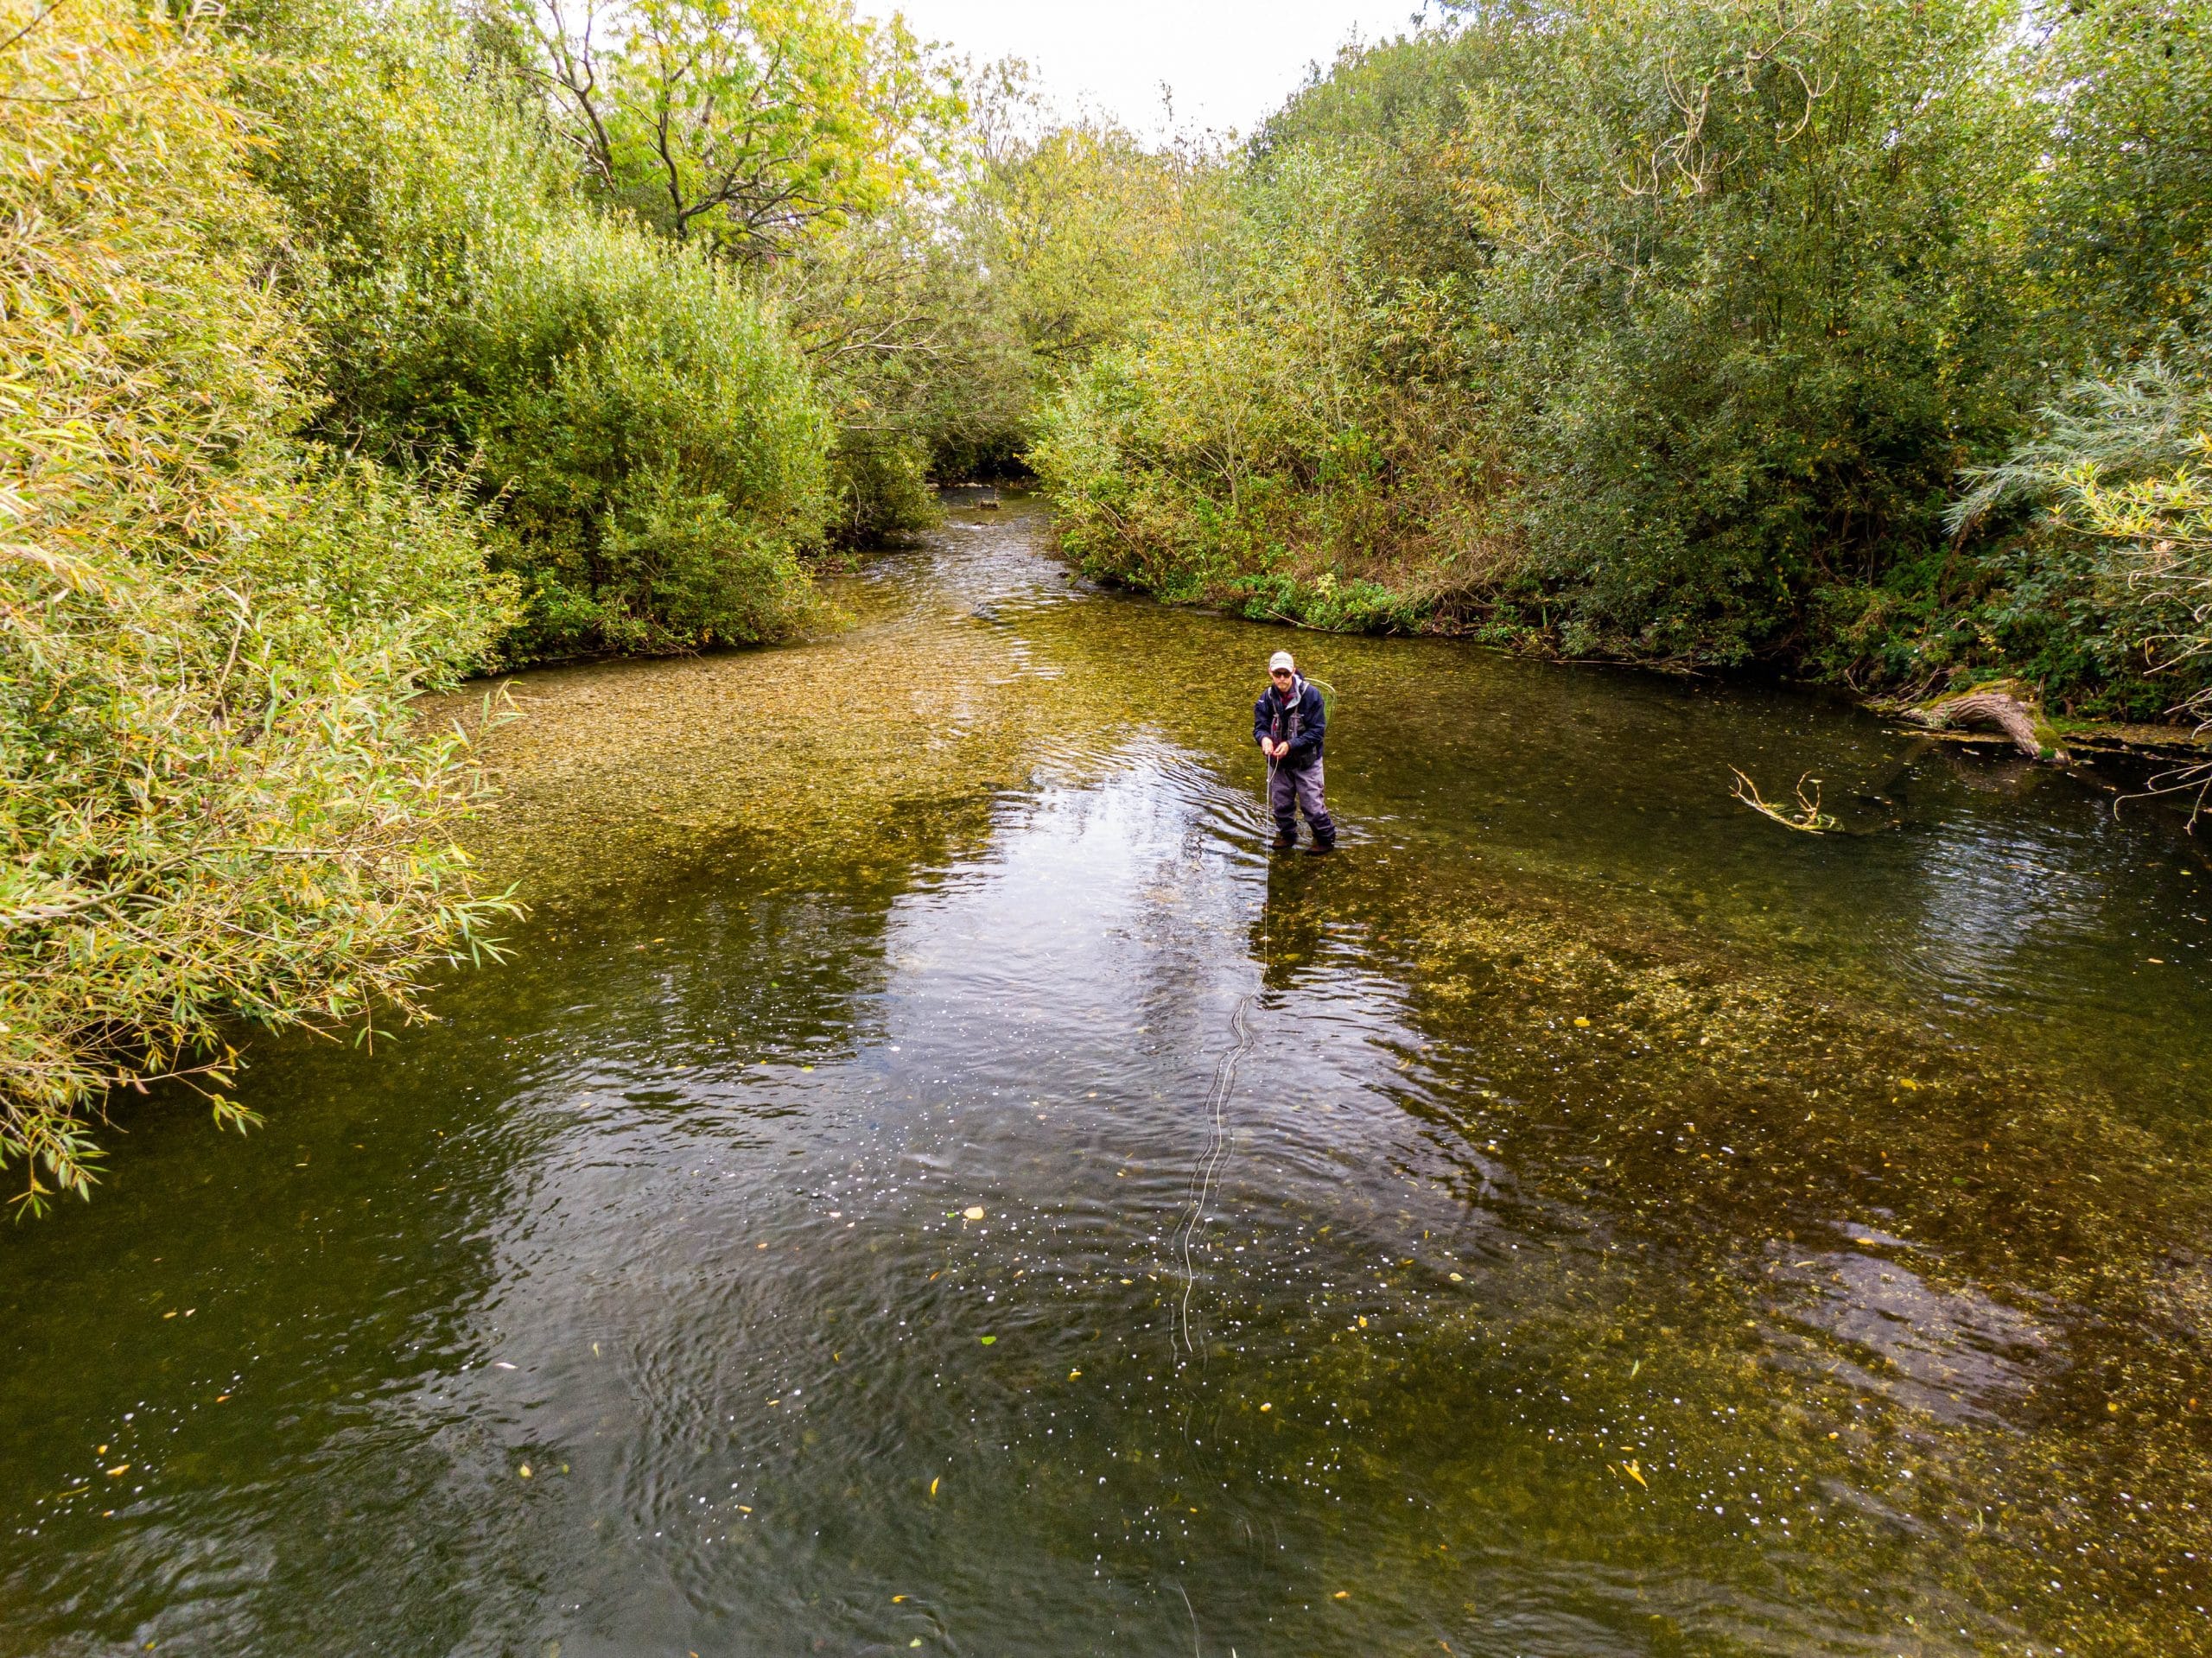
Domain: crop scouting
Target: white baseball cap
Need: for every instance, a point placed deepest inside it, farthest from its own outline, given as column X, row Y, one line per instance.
column 1281, row 660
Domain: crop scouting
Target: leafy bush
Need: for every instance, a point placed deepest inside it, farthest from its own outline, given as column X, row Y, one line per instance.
column 2111, row 559
column 662, row 449
column 217, row 803
column 652, row 441
column 1292, row 425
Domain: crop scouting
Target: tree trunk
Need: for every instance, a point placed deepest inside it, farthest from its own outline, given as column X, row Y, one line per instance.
column 1986, row 710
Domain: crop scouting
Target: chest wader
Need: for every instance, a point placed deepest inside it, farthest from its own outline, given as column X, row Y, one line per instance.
column 1293, row 790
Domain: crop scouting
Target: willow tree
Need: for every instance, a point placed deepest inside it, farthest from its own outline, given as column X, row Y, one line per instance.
column 214, row 803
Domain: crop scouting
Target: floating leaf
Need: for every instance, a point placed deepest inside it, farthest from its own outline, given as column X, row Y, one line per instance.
column 986, row 1340
column 973, row 1212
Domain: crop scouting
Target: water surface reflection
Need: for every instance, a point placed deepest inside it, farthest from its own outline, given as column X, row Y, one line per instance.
column 1633, row 1229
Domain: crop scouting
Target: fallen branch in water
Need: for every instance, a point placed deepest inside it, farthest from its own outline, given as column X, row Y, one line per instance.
column 1808, row 819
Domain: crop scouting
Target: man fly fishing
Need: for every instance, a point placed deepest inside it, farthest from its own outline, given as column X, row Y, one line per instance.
column 1289, row 722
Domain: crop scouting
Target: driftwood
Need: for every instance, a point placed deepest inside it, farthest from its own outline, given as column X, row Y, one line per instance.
column 1808, row 819
column 1991, row 709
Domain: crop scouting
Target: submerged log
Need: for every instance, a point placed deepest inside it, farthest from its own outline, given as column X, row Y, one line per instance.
column 1992, row 709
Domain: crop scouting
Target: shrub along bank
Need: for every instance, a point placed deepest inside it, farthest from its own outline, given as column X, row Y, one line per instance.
column 216, row 804
column 1681, row 334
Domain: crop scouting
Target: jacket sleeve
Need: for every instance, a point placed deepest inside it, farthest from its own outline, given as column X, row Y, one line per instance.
column 1312, row 722
column 1259, row 720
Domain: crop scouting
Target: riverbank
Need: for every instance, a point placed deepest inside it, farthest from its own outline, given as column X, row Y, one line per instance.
column 1362, row 604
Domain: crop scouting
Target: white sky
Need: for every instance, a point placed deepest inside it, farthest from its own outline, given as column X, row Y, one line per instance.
column 1231, row 62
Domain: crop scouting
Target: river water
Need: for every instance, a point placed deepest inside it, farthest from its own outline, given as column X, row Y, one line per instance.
column 931, row 1180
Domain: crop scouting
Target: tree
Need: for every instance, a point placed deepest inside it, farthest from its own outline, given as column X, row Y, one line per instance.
column 743, row 122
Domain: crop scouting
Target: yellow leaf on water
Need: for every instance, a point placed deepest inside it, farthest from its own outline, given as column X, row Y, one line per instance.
column 973, row 1212
column 988, row 1340
column 1343, row 1594
column 523, row 1470
column 933, row 1486
column 1583, row 1023
column 1635, row 1472
column 120, row 1468
column 1072, row 1375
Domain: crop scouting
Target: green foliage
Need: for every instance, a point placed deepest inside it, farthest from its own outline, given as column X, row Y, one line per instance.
column 1649, row 321
column 661, row 448
column 217, row 803
column 1666, row 332
column 745, row 123
column 653, row 442
column 2111, row 552
column 1294, row 429
column 2119, row 245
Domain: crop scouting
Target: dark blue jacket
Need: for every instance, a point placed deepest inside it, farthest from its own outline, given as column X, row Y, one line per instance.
column 1303, row 724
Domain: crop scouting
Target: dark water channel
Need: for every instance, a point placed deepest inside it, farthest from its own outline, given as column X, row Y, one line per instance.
column 930, row 1180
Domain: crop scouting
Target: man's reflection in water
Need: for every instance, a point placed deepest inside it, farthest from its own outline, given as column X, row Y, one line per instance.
column 1286, row 938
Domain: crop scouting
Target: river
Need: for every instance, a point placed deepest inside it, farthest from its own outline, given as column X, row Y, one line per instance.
column 929, row 1179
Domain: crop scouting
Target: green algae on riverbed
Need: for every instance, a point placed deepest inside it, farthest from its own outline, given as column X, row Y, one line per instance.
column 1638, row 1230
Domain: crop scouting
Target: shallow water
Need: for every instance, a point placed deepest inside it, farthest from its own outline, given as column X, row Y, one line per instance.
column 1838, row 1287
